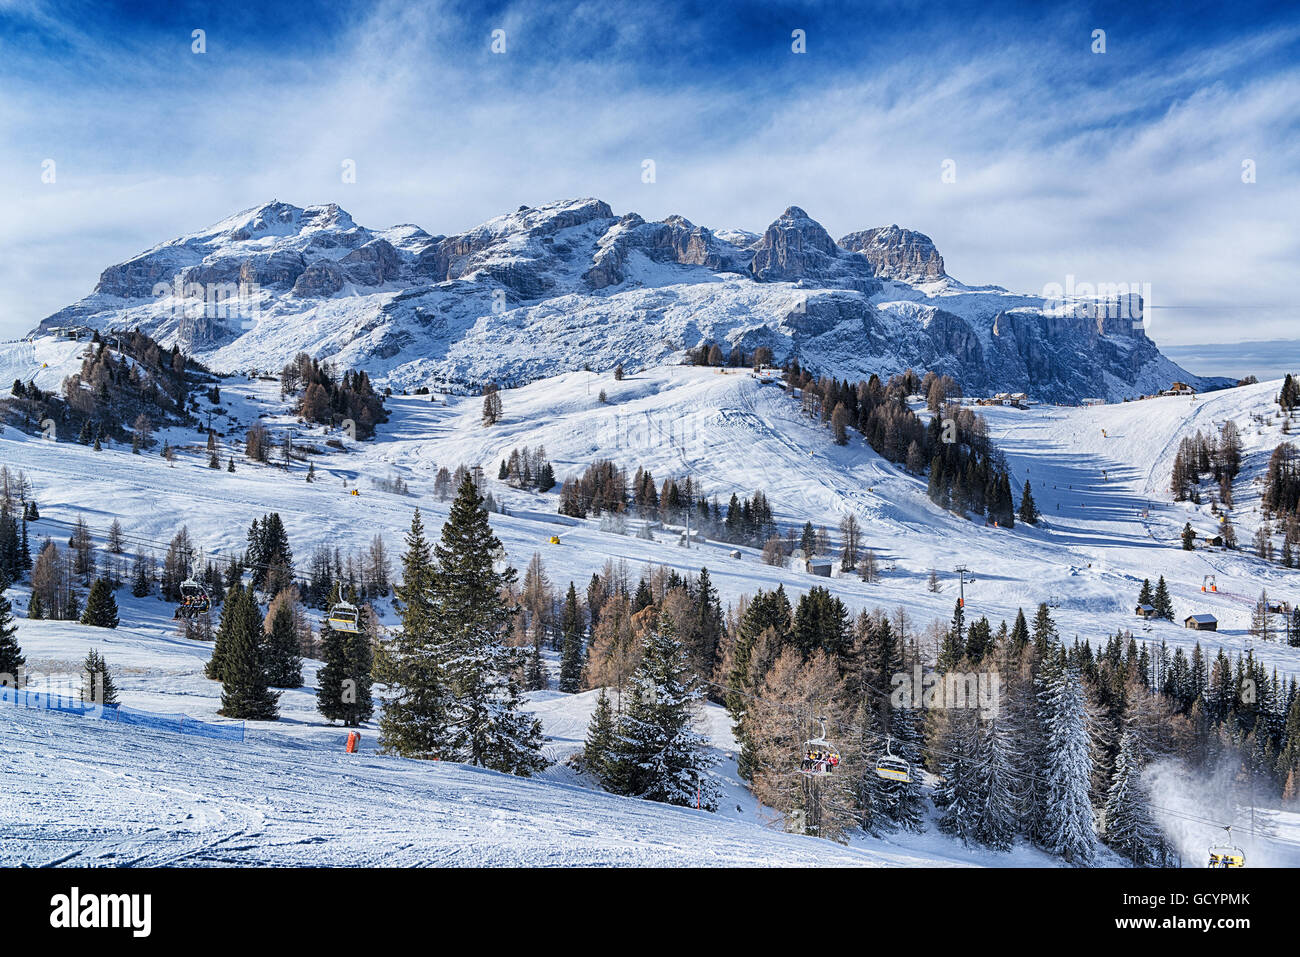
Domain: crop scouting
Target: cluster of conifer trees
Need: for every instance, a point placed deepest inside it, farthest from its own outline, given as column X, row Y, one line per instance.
column 1282, row 483
column 1289, row 397
column 331, row 399
column 1218, row 457
column 966, row 472
column 527, row 469
column 453, row 689
column 125, row 380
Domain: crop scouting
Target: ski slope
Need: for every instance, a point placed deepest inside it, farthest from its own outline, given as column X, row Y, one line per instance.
column 84, row 792
column 730, row 433
column 289, row 794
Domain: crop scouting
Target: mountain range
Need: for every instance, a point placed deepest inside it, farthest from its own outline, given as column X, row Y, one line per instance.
column 570, row 284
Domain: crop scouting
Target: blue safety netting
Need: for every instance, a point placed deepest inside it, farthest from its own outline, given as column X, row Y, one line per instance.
column 121, row 714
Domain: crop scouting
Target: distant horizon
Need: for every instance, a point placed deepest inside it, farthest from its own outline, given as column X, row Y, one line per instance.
column 1266, row 359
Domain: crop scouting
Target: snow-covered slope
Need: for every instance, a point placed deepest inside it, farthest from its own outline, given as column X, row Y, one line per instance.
column 1099, row 475
column 544, row 290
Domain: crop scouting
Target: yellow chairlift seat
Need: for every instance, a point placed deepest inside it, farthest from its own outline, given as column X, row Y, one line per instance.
column 891, row 767
column 343, row 616
column 1227, row 857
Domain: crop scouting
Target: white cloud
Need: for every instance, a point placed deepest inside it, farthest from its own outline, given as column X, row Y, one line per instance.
column 1133, row 179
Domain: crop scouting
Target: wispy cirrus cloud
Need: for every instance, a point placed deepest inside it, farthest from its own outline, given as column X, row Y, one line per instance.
column 1124, row 166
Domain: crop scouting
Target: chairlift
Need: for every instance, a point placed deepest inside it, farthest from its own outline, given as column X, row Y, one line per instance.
column 194, row 600
column 891, row 767
column 343, row 616
column 1227, row 855
column 820, row 757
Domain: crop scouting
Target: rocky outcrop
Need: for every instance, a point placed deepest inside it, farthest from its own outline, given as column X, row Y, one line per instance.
column 372, row 264
column 322, row 278
column 675, row 239
column 276, row 270
column 896, row 253
column 794, row 247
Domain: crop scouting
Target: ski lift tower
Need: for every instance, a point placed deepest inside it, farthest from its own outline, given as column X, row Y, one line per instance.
column 962, row 571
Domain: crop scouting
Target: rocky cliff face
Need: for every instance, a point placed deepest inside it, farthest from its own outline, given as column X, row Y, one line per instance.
column 546, row 289
column 897, row 253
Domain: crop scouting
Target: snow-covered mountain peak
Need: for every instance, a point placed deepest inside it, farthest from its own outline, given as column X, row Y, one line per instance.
column 550, row 288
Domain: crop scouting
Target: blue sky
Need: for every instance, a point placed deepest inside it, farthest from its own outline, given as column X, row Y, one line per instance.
column 1123, row 166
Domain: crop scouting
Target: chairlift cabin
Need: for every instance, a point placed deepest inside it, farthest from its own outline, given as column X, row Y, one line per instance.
column 343, row 616
column 891, row 767
column 820, row 757
column 1227, row 855
column 194, row 600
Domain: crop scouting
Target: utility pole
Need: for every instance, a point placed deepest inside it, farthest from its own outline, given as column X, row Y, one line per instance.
column 688, row 521
column 962, row 571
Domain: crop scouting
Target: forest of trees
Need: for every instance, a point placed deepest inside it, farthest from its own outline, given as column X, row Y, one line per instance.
column 1059, row 763
column 128, row 386
column 1217, row 457
column 327, row 398
column 527, row 468
column 966, row 472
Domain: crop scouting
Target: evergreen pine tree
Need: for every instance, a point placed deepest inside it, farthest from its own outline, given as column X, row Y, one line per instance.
column 416, row 716
column 345, row 680
column 534, row 672
column 658, row 755
column 1019, row 632
column 97, row 687
column 1068, row 828
column 1029, row 513
column 283, row 658
column 141, row 582
column 11, row 656
column 1160, row 600
column 995, row 817
column 244, row 690
column 1129, row 827
column 958, row 790
column 215, row 668
column 599, row 746
column 571, row 653
column 470, row 619
column 101, row 606
column 1044, row 629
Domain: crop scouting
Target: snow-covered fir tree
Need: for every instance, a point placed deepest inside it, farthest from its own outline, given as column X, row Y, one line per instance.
column 658, row 754
column 958, row 791
column 470, row 622
column 996, row 817
column 1129, row 827
column 1068, row 825
column 416, row 719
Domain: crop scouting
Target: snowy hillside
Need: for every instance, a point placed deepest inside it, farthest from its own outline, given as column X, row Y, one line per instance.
column 569, row 285
column 1100, row 476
